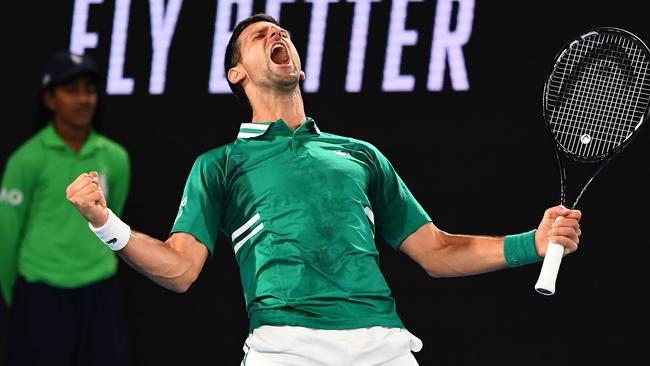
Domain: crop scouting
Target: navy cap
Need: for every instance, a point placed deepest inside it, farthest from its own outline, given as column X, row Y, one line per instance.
column 63, row 66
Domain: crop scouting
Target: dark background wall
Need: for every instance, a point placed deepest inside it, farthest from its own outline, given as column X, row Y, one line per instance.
column 478, row 160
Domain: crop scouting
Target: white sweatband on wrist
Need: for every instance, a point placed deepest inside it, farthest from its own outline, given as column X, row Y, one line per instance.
column 114, row 233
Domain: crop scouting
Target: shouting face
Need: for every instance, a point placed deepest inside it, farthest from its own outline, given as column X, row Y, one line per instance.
column 268, row 59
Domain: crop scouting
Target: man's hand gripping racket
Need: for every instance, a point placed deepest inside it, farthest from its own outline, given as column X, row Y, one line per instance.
column 595, row 99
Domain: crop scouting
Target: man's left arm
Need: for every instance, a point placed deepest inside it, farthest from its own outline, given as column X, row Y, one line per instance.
column 442, row 254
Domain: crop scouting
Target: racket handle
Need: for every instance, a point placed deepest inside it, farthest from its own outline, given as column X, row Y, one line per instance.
column 546, row 282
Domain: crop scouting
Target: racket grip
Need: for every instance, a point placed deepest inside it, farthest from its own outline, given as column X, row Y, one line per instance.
column 546, row 282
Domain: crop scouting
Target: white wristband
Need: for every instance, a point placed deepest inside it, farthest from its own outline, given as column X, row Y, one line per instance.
column 114, row 233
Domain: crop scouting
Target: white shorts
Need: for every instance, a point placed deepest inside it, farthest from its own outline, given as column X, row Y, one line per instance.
column 298, row 346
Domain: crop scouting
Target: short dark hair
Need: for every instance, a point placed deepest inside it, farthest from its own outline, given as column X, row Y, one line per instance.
column 232, row 50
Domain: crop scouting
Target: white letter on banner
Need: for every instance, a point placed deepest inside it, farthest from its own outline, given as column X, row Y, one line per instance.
column 358, row 41
column 398, row 37
column 450, row 43
column 315, row 44
column 163, row 24
column 218, row 83
column 80, row 39
column 273, row 8
column 117, row 83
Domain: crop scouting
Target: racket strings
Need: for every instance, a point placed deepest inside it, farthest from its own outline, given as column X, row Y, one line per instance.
column 598, row 92
column 593, row 83
column 606, row 84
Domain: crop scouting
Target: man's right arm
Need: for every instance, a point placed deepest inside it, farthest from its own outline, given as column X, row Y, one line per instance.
column 15, row 198
column 173, row 264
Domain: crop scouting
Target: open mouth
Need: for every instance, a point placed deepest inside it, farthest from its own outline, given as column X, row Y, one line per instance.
column 279, row 54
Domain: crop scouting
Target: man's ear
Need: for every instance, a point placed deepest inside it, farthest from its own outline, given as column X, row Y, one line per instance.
column 48, row 99
column 236, row 75
column 302, row 75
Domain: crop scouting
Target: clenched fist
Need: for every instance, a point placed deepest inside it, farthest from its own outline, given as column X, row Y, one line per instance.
column 561, row 226
column 86, row 195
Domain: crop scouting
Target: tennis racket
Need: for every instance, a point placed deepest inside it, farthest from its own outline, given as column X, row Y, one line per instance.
column 594, row 102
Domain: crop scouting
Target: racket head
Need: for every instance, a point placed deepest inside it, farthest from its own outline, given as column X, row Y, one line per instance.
column 597, row 94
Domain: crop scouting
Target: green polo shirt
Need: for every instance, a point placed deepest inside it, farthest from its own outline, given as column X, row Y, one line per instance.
column 42, row 236
column 301, row 209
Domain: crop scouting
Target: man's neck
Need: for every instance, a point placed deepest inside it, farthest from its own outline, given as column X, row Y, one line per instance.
column 288, row 107
column 73, row 136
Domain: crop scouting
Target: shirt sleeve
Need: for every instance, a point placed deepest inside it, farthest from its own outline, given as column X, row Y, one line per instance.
column 201, row 207
column 397, row 213
column 120, row 182
column 15, row 194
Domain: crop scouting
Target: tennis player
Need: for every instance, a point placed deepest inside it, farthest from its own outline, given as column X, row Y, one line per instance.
column 302, row 207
